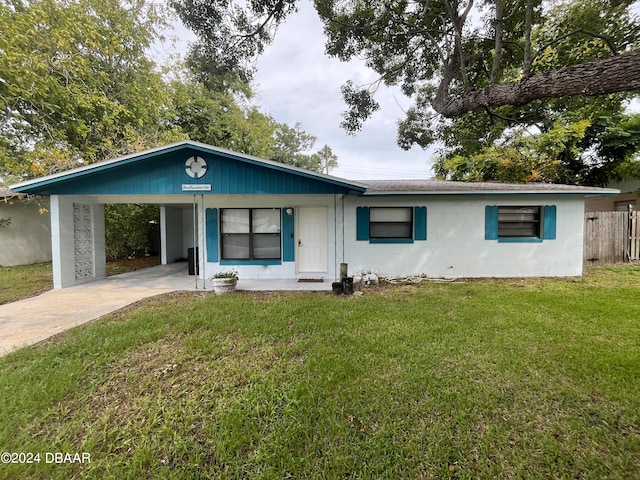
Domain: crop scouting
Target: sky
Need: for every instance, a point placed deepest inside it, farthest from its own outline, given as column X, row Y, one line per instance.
column 296, row 82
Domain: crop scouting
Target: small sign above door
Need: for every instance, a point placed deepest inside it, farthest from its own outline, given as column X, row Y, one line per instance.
column 196, row 187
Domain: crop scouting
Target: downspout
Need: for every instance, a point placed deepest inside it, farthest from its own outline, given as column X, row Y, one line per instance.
column 337, row 248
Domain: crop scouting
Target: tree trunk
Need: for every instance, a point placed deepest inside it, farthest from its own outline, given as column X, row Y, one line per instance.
column 611, row 75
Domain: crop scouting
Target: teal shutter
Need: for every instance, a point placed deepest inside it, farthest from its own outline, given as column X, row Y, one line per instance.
column 420, row 223
column 288, row 236
column 362, row 223
column 549, row 225
column 212, row 234
column 491, row 222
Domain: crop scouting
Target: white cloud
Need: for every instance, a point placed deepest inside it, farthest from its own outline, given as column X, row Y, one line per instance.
column 297, row 82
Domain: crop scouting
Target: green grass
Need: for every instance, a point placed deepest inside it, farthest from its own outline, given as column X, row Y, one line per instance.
column 476, row 379
column 24, row 281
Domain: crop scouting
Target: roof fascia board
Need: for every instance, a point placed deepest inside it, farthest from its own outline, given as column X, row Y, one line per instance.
column 458, row 193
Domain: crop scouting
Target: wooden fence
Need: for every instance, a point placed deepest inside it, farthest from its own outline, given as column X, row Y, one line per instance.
column 634, row 236
column 611, row 237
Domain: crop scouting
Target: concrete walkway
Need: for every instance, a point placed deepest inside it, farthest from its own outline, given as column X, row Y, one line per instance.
column 29, row 321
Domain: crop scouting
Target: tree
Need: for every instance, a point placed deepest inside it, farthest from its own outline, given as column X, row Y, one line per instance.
column 456, row 59
column 220, row 118
column 75, row 83
column 546, row 157
column 129, row 229
column 612, row 144
column 584, row 152
column 327, row 159
column 217, row 118
column 229, row 37
column 519, row 52
column 293, row 146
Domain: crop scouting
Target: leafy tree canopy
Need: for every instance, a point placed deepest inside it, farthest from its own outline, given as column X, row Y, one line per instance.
column 477, row 71
column 293, row 146
column 75, row 83
column 217, row 118
column 129, row 229
column 77, row 86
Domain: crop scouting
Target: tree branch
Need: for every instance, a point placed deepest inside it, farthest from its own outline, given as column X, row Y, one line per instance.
column 528, row 22
column 458, row 24
column 611, row 75
column 497, row 55
column 276, row 11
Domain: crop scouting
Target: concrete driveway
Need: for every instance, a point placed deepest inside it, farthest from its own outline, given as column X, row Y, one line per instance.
column 34, row 319
column 29, row 321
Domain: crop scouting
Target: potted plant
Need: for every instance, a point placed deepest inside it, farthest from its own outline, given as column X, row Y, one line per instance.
column 224, row 282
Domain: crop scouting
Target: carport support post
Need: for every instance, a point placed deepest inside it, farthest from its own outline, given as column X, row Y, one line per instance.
column 203, row 242
column 195, row 240
column 65, row 247
column 62, row 254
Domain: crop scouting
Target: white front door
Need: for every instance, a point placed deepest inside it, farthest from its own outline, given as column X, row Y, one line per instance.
column 312, row 239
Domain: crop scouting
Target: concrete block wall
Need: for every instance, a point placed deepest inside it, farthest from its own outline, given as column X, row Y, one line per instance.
column 62, row 241
column 27, row 239
column 456, row 245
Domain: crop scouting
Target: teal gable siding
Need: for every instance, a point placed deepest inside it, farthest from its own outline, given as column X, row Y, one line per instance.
column 163, row 173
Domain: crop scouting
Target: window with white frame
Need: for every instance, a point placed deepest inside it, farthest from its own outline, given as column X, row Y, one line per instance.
column 519, row 222
column 390, row 222
column 250, row 233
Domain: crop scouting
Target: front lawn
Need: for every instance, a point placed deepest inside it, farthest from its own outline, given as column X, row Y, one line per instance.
column 24, row 281
column 476, row 379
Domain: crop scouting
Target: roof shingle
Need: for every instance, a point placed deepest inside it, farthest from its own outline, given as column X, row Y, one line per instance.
column 441, row 187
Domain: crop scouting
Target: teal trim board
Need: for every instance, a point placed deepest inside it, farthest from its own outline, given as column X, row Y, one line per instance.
column 420, row 223
column 212, row 234
column 362, row 223
column 288, row 235
column 491, row 222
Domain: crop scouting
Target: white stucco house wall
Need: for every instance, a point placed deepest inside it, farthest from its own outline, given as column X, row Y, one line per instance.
column 27, row 238
column 267, row 220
